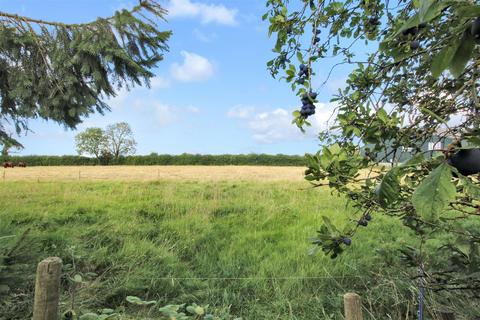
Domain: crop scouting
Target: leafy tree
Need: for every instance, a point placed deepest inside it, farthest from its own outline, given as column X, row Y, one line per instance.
column 91, row 142
column 119, row 140
column 415, row 77
column 64, row 72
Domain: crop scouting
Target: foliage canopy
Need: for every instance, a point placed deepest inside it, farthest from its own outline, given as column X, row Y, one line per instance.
column 415, row 78
column 90, row 142
column 63, row 72
column 118, row 140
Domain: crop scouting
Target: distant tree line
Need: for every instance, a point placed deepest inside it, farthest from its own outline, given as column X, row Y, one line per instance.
column 164, row 159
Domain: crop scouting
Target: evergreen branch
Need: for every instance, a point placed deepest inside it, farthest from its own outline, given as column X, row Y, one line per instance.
column 18, row 243
column 63, row 72
column 149, row 5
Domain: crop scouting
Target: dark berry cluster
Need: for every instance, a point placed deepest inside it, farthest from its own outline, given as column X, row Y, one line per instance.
column 317, row 38
column 303, row 74
column 413, row 33
column 308, row 108
column 364, row 220
column 347, row 241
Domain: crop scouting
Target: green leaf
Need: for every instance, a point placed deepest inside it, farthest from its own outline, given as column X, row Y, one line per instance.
column 382, row 115
column 434, row 10
column 300, row 57
column 424, row 6
column 462, row 54
column 415, row 160
column 89, row 316
column 196, row 310
column 330, row 227
column 454, row 56
column 107, row 311
column 199, row 310
column 468, row 11
column 473, row 140
column 432, row 114
column 470, row 188
column 77, row 278
column 139, row 302
column 413, row 21
column 133, row 299
column 389, row 189
column 171, row 308
column 434, row 193
column 442, row 60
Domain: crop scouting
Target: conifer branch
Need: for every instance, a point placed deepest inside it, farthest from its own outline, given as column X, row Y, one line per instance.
column 150, row 5
column 64, row 72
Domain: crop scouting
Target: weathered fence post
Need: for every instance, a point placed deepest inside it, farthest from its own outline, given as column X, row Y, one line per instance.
column 47, row 289
column 353, row 306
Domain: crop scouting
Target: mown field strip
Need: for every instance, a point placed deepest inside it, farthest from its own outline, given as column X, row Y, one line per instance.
column 149, row 173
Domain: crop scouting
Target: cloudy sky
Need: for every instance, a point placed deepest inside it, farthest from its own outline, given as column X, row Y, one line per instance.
column 212, row 93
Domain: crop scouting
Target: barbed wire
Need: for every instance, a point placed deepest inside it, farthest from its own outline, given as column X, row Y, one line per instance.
column 262, row 278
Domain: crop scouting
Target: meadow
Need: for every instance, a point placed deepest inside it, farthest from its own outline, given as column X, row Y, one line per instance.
column 233, row 238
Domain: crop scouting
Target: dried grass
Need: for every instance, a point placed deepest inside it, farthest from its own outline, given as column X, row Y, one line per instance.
column 149, row 173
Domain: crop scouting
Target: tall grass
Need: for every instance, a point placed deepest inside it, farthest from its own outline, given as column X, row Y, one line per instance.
column 238, row 246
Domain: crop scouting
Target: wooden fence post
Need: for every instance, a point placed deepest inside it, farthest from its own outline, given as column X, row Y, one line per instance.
column 353, row 306
column 47, row 289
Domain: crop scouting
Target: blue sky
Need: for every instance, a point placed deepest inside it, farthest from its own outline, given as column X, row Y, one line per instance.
column 212, row 94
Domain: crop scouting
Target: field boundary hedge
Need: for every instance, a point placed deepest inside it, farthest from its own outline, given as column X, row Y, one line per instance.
column 165, row 159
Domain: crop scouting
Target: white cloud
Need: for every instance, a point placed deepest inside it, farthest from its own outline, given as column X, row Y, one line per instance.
column 273, row 126
column 204, row 37
column 337, row 83
column 159, row 83
column 193, row 68
column 193, row 109
column 207, row 13
column 323, row 117
column 117, row 101
column 163, row 114
column 276, row 125
column 122, row 95
column 240, row 112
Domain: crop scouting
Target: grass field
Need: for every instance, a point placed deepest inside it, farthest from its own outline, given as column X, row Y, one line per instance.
column 236, row 238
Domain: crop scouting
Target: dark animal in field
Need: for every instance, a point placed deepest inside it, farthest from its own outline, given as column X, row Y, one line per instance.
column 22, row 165
column 467, row 161
column 8, row 164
